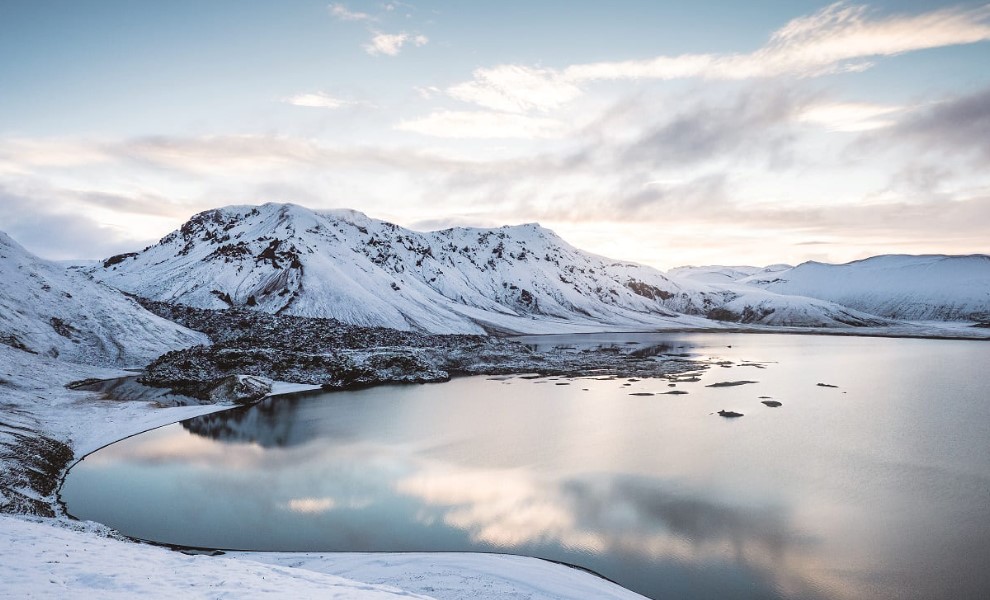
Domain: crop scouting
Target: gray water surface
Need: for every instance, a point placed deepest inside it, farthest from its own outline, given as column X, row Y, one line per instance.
column 876, row 488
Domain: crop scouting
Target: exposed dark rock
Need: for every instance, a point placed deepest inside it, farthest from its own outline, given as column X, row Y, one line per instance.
column 13, row 341
column 239, row 389
column 729, row 413
column 224, row 296
column 828, row 385
column 648, row 291
column 772, row 403
column 117, row 259
column 30, row 464
column 723, row 314
column 63, row 329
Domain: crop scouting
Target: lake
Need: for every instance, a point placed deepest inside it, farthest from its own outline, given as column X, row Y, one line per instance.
column 878, row 487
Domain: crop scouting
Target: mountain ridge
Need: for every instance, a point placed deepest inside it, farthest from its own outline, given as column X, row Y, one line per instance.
column 342, row 264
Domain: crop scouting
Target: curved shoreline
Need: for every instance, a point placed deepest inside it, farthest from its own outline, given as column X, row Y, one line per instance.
column 62, row 509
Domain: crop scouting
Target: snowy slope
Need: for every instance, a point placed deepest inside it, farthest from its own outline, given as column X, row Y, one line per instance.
column 718, row 274
column 283, row 258
column 50, row 311
column 917, row 288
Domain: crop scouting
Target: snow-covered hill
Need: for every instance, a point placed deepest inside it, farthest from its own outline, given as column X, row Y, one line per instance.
column 916, row 288
column 48, row 310
column 718, row 274
column 283, row 258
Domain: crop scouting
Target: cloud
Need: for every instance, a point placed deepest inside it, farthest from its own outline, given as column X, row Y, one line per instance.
column 850, row 116
column 208, row 154
column 310, row 505
column 516, row 88
column 316, row 100
column 959, row 126
column 390, row 44
column 755, row 125
column 684, row 163
column 341, row 12
column 841, row 37
column 484, row 124
column 33, row 217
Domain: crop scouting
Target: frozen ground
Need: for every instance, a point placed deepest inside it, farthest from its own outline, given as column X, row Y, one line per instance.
column 61, row 558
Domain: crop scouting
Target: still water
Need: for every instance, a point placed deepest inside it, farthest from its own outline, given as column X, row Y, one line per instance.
column 878, row 487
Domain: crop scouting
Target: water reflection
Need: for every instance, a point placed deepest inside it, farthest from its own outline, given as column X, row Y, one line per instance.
column 602, row 513
column 127, row 389
column 271, row 423
column 868, row 493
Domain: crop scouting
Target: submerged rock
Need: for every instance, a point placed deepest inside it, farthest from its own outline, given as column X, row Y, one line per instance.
column 730, row 384
column 772, row 403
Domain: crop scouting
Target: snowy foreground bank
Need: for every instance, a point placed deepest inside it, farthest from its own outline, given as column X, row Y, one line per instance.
column 60, row 558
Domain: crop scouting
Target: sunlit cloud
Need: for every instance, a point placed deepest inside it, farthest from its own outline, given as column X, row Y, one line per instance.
column 850, row 116
column 390, row 44
column 841, row 37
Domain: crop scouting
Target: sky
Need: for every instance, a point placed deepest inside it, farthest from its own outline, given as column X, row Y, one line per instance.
column 666, row 133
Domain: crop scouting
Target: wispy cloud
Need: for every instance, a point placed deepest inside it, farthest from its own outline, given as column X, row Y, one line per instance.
column 516, row 88
column 316, row 100
column 754, row 126
column 484, row 124
column 340, row 11
column 390, row 44
column 841, row 37
column 958, row 126
column 30, row 215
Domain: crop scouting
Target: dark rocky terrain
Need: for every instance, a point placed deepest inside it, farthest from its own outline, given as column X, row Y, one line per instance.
column 336, row 355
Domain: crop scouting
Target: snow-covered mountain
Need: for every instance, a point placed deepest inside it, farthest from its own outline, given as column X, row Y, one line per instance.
column 48, row 310
column 283, row 258
column 916, row 288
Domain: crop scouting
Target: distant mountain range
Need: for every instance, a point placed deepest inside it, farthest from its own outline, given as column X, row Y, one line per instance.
column 286, row 259
column 915, row 288
column 48, row 310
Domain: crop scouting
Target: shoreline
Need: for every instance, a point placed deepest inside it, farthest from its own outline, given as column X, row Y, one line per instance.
column 55, row 418
column 550, row 580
